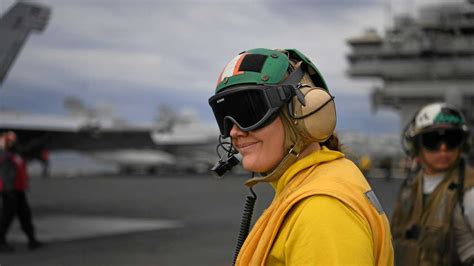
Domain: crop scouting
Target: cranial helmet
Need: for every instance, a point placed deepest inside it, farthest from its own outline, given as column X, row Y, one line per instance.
column 257, row 83
column 433, row 117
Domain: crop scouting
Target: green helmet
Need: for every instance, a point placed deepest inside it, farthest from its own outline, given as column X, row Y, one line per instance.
column 262, row 66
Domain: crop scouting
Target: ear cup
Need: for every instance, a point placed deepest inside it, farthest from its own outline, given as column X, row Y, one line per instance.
column 316, row 120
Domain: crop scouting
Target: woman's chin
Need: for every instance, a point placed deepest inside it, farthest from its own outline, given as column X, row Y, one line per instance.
column 253, row 167
column 249, row 168
column 250, row 165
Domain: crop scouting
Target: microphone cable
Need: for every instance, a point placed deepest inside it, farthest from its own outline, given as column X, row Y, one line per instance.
column 245, row 223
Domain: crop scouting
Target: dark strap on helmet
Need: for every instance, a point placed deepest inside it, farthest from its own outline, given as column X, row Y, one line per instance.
column 294, row 79
column 295, row 76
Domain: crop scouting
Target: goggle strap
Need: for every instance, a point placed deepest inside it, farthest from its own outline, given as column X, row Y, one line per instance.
column 294, row 80
column 295, row 76
column 299, row 95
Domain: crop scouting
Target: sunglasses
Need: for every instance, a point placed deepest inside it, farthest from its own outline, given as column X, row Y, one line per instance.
column 249, row 107
column 453, row 138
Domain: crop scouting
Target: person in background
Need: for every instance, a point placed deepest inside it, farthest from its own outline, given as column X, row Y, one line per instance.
column 44, row 159
column 365, row 164
column 434, row 215
column 278, row 112
column 386, row 166
column 13, row 186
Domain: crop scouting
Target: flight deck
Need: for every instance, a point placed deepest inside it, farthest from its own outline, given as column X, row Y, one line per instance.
column 106, row 219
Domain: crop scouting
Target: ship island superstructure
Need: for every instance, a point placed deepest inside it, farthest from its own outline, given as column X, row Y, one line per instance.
column 420, row 60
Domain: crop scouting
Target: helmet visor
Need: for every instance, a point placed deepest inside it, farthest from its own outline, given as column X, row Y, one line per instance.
column 249, row 107
column 453, row 138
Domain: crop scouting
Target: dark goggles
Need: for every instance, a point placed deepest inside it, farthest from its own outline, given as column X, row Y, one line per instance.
column 453, row 138
column 249, row 107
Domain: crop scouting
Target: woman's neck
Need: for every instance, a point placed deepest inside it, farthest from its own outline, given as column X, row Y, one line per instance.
column 310, row 149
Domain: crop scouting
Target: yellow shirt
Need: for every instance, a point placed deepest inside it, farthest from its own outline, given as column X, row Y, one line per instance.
column 321, row 230
column 323, row 213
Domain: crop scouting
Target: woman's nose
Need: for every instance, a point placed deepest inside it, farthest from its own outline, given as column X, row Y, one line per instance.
column 236, row 131
column 443, row 147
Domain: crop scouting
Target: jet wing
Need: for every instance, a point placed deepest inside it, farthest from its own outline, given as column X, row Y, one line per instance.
column 104, row 139
column 37, row 132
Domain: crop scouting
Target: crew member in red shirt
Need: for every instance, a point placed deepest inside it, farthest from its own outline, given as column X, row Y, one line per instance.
column 13, row 185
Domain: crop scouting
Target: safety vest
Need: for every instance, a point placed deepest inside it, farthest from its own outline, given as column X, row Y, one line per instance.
column 423, row 233
column 321, row 173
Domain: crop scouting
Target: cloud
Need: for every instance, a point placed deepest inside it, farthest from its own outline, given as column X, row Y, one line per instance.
column 165, row 43
column 63, row 66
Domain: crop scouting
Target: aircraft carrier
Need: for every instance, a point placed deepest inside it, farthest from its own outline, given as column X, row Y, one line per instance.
column 420, row 59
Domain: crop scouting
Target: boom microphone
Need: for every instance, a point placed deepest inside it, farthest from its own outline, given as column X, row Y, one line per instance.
column 225, row 163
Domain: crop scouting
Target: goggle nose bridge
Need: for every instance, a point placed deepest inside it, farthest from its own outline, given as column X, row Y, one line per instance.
column 228, row 124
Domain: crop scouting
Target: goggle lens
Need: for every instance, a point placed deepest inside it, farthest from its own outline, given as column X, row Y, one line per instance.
column 432, row 140
column 247, row 108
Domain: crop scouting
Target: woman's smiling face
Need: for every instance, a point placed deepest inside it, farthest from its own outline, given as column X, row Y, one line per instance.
column 261, row 149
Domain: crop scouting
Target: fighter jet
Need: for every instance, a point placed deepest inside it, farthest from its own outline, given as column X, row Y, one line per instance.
column 179, row 141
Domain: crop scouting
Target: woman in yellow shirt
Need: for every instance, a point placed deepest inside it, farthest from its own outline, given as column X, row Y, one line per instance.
column 277, row 110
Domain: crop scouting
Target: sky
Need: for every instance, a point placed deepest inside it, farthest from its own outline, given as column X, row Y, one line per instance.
column 133, row 56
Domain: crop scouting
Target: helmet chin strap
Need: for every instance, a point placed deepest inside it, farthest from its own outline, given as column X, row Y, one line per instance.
column 290, row 158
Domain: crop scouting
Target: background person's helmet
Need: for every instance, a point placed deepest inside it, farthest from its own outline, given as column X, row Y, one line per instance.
column 432, row 117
